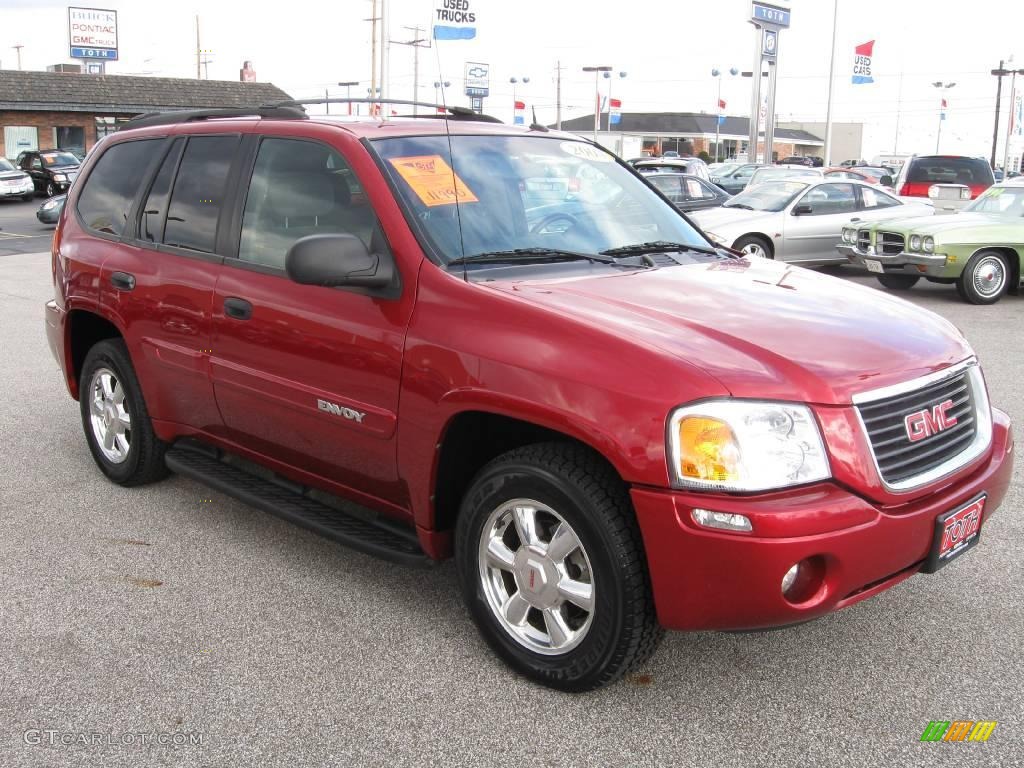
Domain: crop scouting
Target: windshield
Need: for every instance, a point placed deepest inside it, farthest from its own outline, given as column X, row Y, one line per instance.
column 518, row 192
column 772, row 174
column 51, row 159
column 772, row 196
column 723, row 169
column 1008, row 201
column 5, row 165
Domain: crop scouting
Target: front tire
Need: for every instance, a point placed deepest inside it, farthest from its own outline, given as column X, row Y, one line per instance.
column 984, row 279
column 898, row 282
column 51, row 189
column 754, row 245
column 552, row 567
column 115, row 419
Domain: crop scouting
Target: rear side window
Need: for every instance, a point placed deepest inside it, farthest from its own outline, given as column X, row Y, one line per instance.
column 110, row 189
column 950, row 170
column 199, row 193
column 155, row 209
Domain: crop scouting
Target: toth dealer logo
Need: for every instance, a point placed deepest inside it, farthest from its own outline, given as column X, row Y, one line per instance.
column 928, row 422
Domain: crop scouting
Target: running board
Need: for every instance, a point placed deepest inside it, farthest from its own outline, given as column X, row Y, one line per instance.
column 355, row 527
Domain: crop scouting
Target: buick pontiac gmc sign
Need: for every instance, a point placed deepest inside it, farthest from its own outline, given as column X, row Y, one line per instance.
column 92, row 33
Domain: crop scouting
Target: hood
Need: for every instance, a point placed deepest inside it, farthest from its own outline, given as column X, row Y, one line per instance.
column 722, row 217
column 12, row 174
column 933, row 225
column 762, row 328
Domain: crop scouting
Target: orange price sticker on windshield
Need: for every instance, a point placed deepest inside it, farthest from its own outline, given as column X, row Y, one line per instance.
column 433, row 181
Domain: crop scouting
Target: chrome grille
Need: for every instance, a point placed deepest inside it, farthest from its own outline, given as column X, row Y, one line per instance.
column 863, row 239
column 890, row 243
column 900, row 459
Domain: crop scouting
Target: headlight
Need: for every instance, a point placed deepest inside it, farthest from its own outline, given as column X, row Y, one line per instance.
column 50, row 204
column 737, row 445
column 915, row 242
column 59, row 177
column 928, row 244
column 849, row 235
column 716, row 238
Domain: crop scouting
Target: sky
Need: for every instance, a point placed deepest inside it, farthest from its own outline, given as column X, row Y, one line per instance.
column 666, row 48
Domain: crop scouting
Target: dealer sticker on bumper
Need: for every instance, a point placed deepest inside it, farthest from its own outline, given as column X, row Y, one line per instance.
column 873, row 266
column 955, row 533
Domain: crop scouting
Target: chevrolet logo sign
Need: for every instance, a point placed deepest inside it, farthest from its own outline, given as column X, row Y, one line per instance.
column 477, row 72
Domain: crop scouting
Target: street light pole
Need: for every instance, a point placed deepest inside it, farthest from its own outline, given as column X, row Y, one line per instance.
column 716, row 73
column 513, row 80
column 438, row 84
column 608, row 77
column 597, row 96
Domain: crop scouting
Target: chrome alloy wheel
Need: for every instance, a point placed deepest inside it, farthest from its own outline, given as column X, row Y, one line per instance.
column 989, row 276
column 108, row 414
column 754, row 249
column 536, row 577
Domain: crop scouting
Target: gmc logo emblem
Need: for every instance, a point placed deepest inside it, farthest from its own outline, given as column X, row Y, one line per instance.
column 925, row 423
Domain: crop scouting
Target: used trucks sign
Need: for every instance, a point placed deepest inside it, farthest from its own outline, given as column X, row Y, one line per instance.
column 92, row 33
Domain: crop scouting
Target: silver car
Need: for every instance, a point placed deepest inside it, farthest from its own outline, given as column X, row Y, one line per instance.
column 777, row 172
column 800, row 220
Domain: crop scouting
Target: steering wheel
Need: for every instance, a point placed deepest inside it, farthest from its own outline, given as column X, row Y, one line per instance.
column 547, row 221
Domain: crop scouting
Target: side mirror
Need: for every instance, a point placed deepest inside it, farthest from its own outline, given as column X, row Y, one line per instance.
column 886, row 181
column 802, row 210
column 337, row 260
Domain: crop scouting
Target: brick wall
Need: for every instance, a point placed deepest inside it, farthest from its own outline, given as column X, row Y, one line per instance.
column 45, row 122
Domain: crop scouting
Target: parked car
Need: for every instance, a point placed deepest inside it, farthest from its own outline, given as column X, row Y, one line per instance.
column 735, row 179
column 852, row 163
column 797, row 160
column 997, row 174
column 800, row 220
column 49, row 212
column 691, row 165
column 866, row 173
column 777, row 172
column 52, row 170
column 686, row 192
column 950, row 181
column 612, row 425
column 14, row 183
column 979, row 250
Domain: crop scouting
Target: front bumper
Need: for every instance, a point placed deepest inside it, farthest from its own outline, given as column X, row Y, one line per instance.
column 713, row 580
column 927, row 264
column 19, row 191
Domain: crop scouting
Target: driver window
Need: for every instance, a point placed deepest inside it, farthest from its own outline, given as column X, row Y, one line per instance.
column 826, row 199
column 300, row 188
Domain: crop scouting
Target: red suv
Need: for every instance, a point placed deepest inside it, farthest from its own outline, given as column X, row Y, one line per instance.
column 377, row 331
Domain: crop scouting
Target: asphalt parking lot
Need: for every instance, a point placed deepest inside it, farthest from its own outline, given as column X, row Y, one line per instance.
column 20, row 230
column 171, row 609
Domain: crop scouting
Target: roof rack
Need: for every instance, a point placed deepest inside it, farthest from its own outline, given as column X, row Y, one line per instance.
column 450, row 111
column 191, row 115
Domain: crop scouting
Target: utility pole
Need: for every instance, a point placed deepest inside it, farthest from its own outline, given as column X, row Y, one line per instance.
column 373, row 49
column 999, row 97
column 558, row 96
column 18, row 49
column 199, row 54
column 416, row 43
column 1009, row 118
column 385, row 54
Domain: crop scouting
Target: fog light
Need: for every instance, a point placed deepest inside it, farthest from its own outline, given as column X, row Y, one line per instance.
column 789, row 578
column 721, row 520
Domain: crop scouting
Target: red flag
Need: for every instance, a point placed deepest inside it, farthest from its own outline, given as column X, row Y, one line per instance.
column 721, row 103
column 520, row 105
column 944, row 105
column 615, row 103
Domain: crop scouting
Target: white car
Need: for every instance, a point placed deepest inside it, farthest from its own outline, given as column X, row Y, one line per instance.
column 777, row 172
column 800, row 220
column 15, row 183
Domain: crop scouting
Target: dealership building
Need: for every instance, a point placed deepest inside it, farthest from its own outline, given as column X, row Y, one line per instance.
column 70, row 110
column 655, row 133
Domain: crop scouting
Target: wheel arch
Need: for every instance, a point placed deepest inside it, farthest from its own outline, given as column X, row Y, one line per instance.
column 84, row 329
column 763, row 237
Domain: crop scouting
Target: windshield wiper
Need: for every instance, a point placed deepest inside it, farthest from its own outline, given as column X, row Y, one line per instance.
column 657, row 246
column 744, row 206
column 528, row 255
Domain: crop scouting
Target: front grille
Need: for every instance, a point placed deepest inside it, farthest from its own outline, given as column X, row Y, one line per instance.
column 890, row 243
column 863, row 239
column 901, row 459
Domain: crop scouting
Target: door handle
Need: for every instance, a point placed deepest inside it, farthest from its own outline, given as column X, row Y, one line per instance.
column 240, row 309
column 122, row 281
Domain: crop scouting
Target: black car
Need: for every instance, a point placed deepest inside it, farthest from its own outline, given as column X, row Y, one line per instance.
column 797, row 160
column 687, row 192
column 52, row 170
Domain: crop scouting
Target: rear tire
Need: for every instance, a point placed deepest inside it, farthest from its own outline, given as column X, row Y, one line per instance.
column 114, row 417
column 984, row 279
column 552, row 567
column 754, row 245
column 898, row 282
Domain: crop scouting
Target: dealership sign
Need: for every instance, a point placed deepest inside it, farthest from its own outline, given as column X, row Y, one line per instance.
column 477, row 79
column 92, row 33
